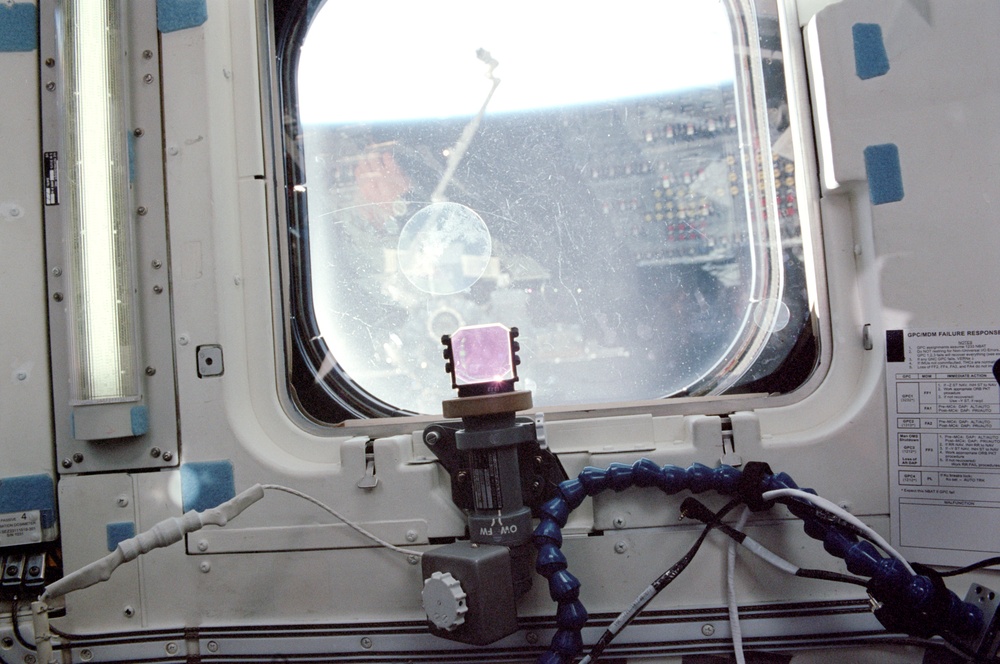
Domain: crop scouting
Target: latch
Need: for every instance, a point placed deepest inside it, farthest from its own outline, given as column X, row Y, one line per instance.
column 369, row 480
column 726, row 432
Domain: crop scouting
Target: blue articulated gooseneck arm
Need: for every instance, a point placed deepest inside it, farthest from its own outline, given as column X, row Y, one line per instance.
column 915, row 604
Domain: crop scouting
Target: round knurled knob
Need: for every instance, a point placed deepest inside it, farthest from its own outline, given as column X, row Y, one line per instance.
column 444, row 601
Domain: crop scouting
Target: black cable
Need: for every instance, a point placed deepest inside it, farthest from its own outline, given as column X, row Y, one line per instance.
column 989, row 562
column 832, row 576
column 693, row 508
column 656, row 586
column 17, row 627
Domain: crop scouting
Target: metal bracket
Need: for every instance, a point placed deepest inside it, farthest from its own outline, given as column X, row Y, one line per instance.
column 369, row 481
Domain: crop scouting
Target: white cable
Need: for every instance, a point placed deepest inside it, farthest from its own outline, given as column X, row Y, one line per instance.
column 343, row 519
column 734, row 614
column 163, row 534
column 843, row 514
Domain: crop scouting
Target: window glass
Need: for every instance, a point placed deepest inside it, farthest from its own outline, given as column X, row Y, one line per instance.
column 609, row 178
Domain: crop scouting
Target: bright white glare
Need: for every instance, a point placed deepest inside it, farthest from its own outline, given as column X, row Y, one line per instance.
column 395, row 60
column 106, row 353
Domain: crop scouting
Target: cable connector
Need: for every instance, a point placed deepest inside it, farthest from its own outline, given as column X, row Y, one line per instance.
column 163, row 534
column 752, row 485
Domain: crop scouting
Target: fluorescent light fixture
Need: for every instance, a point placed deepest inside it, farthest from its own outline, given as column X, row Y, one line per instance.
column 103, row 337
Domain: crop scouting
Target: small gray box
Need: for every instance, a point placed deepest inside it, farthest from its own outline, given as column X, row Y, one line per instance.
column 210, row 361
column 485, row 574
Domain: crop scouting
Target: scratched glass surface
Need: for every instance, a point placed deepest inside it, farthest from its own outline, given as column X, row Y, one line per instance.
column 576, row 172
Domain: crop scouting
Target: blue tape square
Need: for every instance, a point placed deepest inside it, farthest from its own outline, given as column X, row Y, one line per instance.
column 870, row 57
column 18, row 27
column 885, row 178
column 29, row 492
column 119, row 532
column 206, row 484
column 140, row 420
column 174, row 15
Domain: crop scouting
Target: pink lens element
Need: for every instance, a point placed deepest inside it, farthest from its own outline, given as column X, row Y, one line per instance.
column 482, row 354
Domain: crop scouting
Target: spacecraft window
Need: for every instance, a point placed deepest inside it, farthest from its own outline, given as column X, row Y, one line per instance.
column 614, row 180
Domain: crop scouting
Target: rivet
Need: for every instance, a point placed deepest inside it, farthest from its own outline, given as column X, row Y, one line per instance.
column 150, row 371
column 78, row 458
column 157, row 289
column 138, row 132
column 366, row 642
column 22, row 375
column 58, row 297
column 708, row 629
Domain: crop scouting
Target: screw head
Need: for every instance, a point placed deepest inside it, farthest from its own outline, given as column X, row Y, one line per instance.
column 708, row 629
column 531, row 637
column 78, row 458
column 157, row 264
column 212, row 646
column 432, row 438
column 58, row 297
column 57, row 272
column 22, row 375
column 50, row 86
column 619, row 522
column 137, row 132
column 171, row 648
column 150, row 371
column 413, row 560
column 205, row 567
column 411, row 536
column 50, row 62
column 366, row 642
column 155, row 453
column 122, row 501
column 168, row 456
column 86, row 654
column 142, row 210
column 461, row 476
column 157, row 289
column 7, row 643
column 29, row 659
column 128, row 612
column 203, row 545
column 66, row 463
column 184, row 340
column 621, row 547
column 148, row 78
column 147, row 55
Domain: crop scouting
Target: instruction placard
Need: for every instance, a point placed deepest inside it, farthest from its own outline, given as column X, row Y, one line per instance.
column 20, row 528
column 943, row 388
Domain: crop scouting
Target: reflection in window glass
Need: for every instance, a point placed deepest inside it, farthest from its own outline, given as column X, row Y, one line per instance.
column 598, row 177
